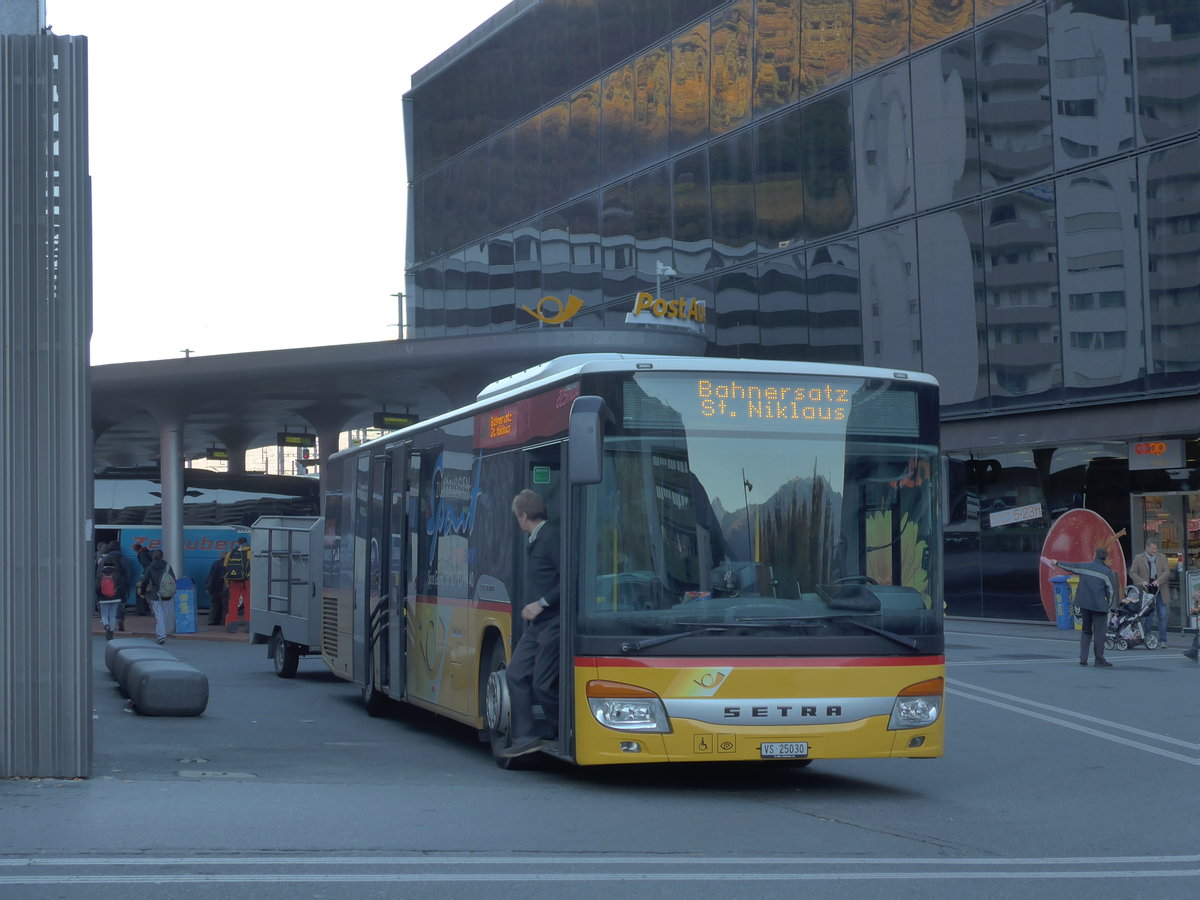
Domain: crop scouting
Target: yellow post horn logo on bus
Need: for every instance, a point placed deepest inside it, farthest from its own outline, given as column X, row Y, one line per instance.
column 565, row 310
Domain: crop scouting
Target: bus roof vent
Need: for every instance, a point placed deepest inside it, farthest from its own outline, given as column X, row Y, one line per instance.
column 547, row 369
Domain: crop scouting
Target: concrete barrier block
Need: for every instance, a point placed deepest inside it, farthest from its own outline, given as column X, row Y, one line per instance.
column 126, row 658
column 167, row 687
column 116, row 645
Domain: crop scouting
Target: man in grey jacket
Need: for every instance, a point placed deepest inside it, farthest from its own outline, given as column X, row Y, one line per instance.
column 1094, row 597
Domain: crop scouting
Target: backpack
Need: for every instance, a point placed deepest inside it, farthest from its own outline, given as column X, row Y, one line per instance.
column 166, row 586
column 235, row 565
column 108, row 581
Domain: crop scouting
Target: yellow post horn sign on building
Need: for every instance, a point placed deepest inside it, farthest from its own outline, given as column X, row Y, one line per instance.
column 565, row 310
column 682, row 312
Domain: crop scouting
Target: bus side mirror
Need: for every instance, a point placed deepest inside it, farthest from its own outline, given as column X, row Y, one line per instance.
column 585, row 461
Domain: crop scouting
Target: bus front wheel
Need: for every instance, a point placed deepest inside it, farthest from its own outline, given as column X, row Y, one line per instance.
column 494, row 689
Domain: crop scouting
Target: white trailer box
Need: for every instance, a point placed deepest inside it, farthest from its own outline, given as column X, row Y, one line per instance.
column 285, row 588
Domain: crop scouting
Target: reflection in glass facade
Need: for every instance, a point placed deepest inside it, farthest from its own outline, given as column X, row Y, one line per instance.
column 1004, row 193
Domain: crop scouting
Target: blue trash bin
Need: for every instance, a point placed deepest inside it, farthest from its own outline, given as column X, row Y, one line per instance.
column 1062, row 601
column 185, row 606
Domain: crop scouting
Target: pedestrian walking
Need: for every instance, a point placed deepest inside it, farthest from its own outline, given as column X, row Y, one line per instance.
column 110, row 590
column 158, row 585
column 237, row 577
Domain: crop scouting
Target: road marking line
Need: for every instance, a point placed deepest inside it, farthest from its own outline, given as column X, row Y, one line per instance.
column 665, row 859
column 1083, row 728
column 492, row 876
column 1152, row 735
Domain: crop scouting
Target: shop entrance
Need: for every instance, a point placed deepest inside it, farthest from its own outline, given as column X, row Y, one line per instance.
column 1173, row 519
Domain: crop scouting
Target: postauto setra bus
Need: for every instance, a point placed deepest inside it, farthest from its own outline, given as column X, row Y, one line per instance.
column 751, row 559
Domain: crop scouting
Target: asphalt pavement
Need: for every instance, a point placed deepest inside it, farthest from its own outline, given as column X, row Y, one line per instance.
column 1057, row 782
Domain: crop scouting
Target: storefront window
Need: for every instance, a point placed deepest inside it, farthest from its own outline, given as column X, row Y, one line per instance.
column 883, row 150
column 936, row 20
column 891, row 306
column 1170, row 181
column 616, row 229
column 945, row 124
column 827, row 155
column 693, row 228
column 584, row 139
column 1166, row 67
column 689, row 88
column 731, row 173
column 1020, row 249
column 880, row 32
column 826, row 27
column 779, row 192
column 617, row 133
column 783, row 307
column 731, row 67
column 737, row 317
column 1100, row 293
column 1014, row 100
column 953, row 318
column 1091, row 79
column 652, row 105
column 834, row 311
column 776, row 54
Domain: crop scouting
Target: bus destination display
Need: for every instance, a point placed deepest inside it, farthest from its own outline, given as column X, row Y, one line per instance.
column 734, row 399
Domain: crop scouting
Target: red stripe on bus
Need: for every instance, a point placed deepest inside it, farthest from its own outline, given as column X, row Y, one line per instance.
column 803, row 662
column 490, row 605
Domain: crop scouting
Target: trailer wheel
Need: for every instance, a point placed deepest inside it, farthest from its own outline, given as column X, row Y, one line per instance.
column 285, row 655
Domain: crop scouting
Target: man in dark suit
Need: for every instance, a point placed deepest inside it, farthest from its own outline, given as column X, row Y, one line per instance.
column 1094, row 595
column 533, row 673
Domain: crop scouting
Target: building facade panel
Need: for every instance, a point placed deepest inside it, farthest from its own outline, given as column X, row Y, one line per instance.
column 1003, row 193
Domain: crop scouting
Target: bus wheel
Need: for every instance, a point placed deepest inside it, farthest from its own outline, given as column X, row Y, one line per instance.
column 494, row 689
column 285, row 655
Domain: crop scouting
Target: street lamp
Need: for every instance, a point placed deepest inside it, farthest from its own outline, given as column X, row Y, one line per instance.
column 401, row 319
column 661, row 269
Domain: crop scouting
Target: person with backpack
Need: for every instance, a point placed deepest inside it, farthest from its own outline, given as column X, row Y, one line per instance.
column 217, row 591
column 158, row 585
column 237, row 576
column 111, row 586
column 142, row 552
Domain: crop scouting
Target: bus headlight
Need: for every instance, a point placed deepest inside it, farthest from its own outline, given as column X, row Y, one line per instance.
column 625, row 707
column 918, row 705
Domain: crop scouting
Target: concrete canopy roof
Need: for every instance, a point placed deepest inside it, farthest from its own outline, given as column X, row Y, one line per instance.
column 241, row 400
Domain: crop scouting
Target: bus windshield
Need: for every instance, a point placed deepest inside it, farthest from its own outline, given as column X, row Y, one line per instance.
column 808, row 530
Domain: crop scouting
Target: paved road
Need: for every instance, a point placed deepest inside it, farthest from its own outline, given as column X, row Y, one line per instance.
column 1058, row 781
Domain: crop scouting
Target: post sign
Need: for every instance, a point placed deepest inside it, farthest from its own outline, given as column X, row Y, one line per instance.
column 1156, row 453
column 683, row 312
column 216, row 453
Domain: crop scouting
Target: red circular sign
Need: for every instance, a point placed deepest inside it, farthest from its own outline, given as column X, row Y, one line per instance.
column 1074, row 537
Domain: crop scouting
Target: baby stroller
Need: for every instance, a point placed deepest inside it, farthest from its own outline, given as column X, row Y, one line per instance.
column 1125, row 628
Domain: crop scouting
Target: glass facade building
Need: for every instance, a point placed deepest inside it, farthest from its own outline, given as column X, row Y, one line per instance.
column 1003, row 193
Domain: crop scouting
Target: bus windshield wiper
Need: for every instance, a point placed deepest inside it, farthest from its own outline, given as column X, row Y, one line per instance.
column 634, row 646
column 882, row 632
column 900, row 639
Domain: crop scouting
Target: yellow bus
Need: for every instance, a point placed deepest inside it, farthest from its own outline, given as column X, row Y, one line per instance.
column 750, row 559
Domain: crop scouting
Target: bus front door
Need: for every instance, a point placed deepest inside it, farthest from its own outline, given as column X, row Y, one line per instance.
column 375, row 611
column 542, row 475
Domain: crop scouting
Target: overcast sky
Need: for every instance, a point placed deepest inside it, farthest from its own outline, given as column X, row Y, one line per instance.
column 247, row 161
